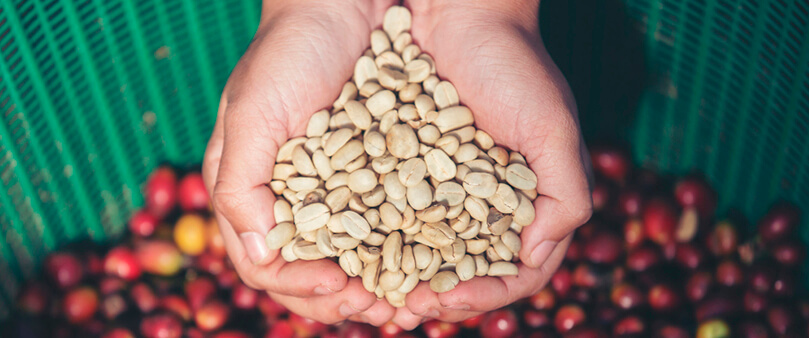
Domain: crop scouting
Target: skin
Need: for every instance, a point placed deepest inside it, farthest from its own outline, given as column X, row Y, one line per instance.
column 302, row 54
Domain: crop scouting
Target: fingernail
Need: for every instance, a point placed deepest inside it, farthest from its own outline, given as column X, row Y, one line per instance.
column 460, row 306
column 541, row 252
column 346, row 310
column 255, row 246
column 322, row 290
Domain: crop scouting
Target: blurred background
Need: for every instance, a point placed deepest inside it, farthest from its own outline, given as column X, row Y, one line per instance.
column 96, row 94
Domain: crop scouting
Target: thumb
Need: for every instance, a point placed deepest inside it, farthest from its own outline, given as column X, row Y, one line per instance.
column 564, row 202
column 241, row 195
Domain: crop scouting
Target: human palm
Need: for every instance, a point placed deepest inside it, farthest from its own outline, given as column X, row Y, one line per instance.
column 297, row 62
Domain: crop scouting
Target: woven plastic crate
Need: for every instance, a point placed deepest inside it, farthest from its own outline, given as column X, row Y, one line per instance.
column 94, row 94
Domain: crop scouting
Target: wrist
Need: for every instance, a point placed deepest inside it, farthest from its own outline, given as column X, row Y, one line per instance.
column 368, row 11
column 519, row 13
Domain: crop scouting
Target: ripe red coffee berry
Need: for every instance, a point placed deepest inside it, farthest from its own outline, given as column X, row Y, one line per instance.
column 121, row 262
column 80, row 304
column 659, row 221
column 161, row 192
column 64, row 269
column 192, row 194
column 779, row 223
column 142, row 223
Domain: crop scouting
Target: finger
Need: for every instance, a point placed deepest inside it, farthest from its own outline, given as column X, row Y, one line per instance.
column 213, row 151
column 423, row 302
column 564, row 201
column 377, row 315
column 241, row 195
column 406, row 319
column 332, row 308
column 294, row 279
column 488, row 293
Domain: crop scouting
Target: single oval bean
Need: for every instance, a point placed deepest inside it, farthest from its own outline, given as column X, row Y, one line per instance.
column 434, row 213
column 369, row 88
column 307, row 251
column 278, row 187
column 408, row 265
column 439, row 233
column 372, row 216
column 439, row 165
column 453, row 118
column 455, row 252
column 398, row 203
column 374, row 197
column 337, row 140
column 477, row 208
column 387, row 121
column 500, row 173
column 503, row 251
column 390, row 216
column 429, row 134
column 370, row 275
column 409, row 93
column 521, row 177
column 492, row 256
column 312, row 217
column 499, row 269
column 450, row 193
column 480, row 166
column 393, row 186
column 368, row 255
column 318, row 124
column 464, row 135
column 364, row 70
column 350, row 263
column 410, row 282
column 444, row 281
column 498, row 223
column 337, row 199
column 335, row 225
column 417, row 70
column 435, row 263
column 302, row 162
column 505, row 200
column 445, row 95
column 344, row 241
column 449, row 144
column 466, row 152
column 355, row 225
column 476, row 246
column 420, row 196
column 525, row 213
column 349, row 92
column 287, row 253
column 282, row 211
column 392, row 252
column 322, row 165
column 374, row 239
column 358, row 163
column 481, row 185
column 423, row 256
column 412, row 172
column 280, row 235
column 481, row 266
column 408, row 113
column 499, row 155
column 395, row 298
column 359, row 114
column 324, row 244
column 400, row 42
column 397, row 20
column 349, row 152
column 465, row 269
column 410, row 52
column 382, row 101
column 483, row 140
column 379, row 42
column 430, row 83
column 402, row 142
column 392, row 79
column 339, row 179
column 362, row 180
column 302, row 183
column 389, row 59
column 429, row 59
column 391, row 280
column 285, row 151
column 512, row 241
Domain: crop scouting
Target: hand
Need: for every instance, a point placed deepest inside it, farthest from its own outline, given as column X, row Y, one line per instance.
column 302, row 54
column 493, row 54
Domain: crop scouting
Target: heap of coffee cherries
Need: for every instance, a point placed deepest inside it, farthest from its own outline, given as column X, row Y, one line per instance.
column 396, row 183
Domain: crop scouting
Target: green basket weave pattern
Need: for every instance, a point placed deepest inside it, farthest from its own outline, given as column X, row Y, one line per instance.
column 94, row 94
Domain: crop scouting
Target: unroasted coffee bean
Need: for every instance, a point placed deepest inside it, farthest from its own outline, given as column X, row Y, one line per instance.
column 381, row 102
column 410, row 53
column 417, row 70
column 481, row 266
column 420, row 196
column 284, row 154
column 499, row 269
column 318, row 124
column 423, row 256
column 355, row 225
column 302, row 183
column 450, row 193
column 368, row 254
column 307, row 251
column 520, row 177
column 434, row 213
column 439, row 165
column 374, row 239
column 476, row 246
column 392, row 79
column 445, row 95
column 402, row 141
column 350, row 263
column 480, row 166
column 344, row 241
column 465, row 269
column 384, row 164
column 349, row 152
column 401, row 42
column 410, row 92
column 439, row 233
column 444, row 281
column 312, row 217
column 280, row 235
column 302, row 162
column 410, row 282
column 498, row 223
column 503, row 251
column 287, row 253
column 397, row 20
column 477, row 208
column 278, row 187
column 453, row 118
column 481, row 185
column 395, row 298
column 324, row 244
column 466, row 152
column 391, row 280
column 375, row 197
column 370, row 275
column 408, row 265
column 512, row 241
column 525, row 213
column 390, row 60
column 372, row 216
column 362, row 180
column 454, row 252
column 364, row 70
column 412, row 172
column 390, row 216
column 432, row 268
column 282, row 211
column 392, row 252
column 429, row 134
column 504, row 199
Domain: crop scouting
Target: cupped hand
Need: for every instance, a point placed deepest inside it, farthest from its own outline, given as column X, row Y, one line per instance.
column 302, row 54
column 493, row 54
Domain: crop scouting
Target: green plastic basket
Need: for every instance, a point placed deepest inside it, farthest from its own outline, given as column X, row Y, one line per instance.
column 94, row 94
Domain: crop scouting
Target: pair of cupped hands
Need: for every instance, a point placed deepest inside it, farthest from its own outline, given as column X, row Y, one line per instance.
column 303, row 53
